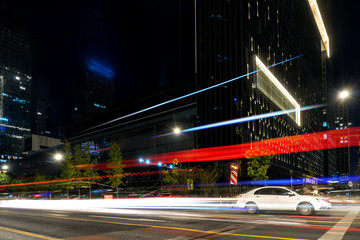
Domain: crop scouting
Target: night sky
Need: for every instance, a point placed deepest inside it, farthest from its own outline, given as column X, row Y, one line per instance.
column 138, row 39
column 146, row 43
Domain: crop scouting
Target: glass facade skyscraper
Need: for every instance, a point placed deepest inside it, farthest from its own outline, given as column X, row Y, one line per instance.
column 235, row 38
column 15, row 87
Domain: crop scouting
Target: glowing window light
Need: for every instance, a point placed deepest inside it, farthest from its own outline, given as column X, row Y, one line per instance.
column 99, row 106
column 276, row 82
column 320, row 24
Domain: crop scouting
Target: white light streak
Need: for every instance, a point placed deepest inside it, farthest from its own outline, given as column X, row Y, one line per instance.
column 190, row 94
column 320, row 24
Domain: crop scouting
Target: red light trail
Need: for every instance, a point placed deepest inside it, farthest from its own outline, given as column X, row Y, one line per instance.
column 299, row 143
column 96, row 177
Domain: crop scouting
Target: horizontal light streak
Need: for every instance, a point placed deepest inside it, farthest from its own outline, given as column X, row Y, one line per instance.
column 146, row 202
column 191, row 94
column 251, row 118
column 320, row 24
column 284, row 145
column 292, row 144
column 95, row 177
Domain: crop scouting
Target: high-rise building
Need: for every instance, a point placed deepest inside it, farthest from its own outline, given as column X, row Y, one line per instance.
column 15, row 86
column 342, row 154
column 237, row 38
column 95, row 90
column 42, row 119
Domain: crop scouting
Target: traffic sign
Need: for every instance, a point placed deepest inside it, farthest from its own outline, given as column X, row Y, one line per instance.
column 234, row 173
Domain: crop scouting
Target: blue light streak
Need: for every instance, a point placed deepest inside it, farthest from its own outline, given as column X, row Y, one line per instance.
column 191, row 94
column 100, row 69
column 301, row 181
column 250, row 118
column 241, row 120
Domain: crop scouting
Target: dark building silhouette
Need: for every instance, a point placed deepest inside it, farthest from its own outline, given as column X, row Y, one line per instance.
column 42, row 119
column 16, row 79
column 236, row 38
column 94, row 90
column 342, row 122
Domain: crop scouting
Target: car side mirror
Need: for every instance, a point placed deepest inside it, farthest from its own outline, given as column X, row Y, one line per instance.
column 291, row 194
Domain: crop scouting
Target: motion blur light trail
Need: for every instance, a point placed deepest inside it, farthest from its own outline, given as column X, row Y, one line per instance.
column 292, row 144
column 299, row 143
column 191, row 94
column 95, row 177
column 247, row 119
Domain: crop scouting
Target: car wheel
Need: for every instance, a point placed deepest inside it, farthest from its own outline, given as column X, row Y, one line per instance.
column 251, row 207
column 306, row 208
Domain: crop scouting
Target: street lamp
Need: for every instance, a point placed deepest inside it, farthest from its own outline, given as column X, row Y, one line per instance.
column 5, row 167
column 58, row 157
column 177, row 130
column 344, row 94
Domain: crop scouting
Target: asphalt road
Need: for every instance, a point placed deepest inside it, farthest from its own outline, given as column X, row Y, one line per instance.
column 112, row 224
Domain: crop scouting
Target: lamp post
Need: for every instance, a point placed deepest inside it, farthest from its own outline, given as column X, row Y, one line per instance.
column 344, row 94
column 58, row 157
column 4, row 168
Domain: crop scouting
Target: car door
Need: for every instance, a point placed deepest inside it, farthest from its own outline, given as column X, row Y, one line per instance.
column 284, row 199
column 264, row 198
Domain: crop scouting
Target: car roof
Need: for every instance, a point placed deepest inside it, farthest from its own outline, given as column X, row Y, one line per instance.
column 255, row 189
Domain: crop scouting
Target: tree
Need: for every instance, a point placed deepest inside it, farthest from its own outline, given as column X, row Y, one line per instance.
column 67, row 168
column 78, row 164
column 5, row 179
column 258, row 166
column 87, row 166
column 208, row 179
column 115, row 167
column 180, row 178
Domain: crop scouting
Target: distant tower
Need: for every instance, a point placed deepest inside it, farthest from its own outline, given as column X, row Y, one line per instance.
column 342, row 154
column 15, row 86
column 96, row 91
column 42, row 119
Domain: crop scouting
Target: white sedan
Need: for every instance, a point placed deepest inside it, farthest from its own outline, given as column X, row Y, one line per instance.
column 281, row 199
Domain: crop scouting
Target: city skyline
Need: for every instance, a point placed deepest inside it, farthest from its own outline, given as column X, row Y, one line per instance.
column 111, row 40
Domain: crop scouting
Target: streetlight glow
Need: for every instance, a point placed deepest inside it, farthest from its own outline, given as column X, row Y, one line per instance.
column 177, row 130
column 58, row 157
column 344, row 94
column 5, row 167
